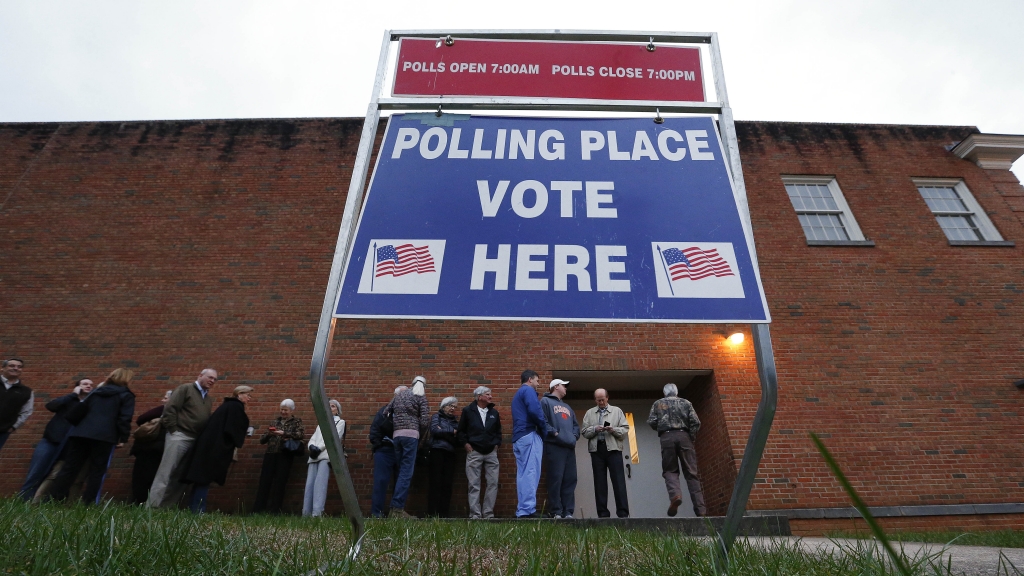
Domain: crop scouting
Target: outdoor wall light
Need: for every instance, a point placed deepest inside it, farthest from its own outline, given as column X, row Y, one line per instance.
column 736, row 338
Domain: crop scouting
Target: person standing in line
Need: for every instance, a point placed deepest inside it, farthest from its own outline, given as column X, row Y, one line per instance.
column 280, row 437
column 215, row 447
column 184, row 418
column 105, row 425
column 528, row 431
column 480, row 433
column 443, row 427
column 677, row 424
column 385, row 465
column 48, row 449
column 16, row 399
column 318, row 472
column 411, row 416
column 148, row 453
column 560, row 450
column 605, row 428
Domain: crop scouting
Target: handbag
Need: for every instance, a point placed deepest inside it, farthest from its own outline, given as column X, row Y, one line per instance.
column 148, row 432
column 314, row 452
column 294, row 446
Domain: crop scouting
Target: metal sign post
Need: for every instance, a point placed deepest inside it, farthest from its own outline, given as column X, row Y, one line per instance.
column 377, row 246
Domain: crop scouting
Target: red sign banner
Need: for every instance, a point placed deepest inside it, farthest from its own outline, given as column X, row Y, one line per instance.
column 602, row 71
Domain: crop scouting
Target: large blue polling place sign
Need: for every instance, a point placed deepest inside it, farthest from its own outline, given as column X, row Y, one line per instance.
column 551, row 219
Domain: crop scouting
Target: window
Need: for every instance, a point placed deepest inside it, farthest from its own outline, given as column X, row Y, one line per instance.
column 823, row 212
column 957, row 212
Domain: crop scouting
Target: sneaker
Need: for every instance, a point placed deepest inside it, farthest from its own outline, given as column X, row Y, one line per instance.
column 568, row 517
column 674, row 506
column 533, row 515
column 400, row 513
column 556, row 517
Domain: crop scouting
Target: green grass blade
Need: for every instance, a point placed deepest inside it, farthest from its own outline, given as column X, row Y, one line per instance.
column 858, row 503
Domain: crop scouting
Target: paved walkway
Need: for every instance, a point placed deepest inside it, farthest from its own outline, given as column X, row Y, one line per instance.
column 970, row 560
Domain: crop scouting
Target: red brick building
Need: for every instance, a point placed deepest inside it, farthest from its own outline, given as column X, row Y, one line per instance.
column 168, row 247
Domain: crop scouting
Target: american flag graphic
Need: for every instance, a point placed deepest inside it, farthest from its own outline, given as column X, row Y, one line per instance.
column 695, row 264
column 403, row 259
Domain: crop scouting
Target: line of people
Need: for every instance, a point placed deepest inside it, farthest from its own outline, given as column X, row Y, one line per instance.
column 545, row 430
column 184, row 445
column 179, row 445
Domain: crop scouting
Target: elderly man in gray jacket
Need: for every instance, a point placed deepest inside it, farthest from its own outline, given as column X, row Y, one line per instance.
column 605, row 428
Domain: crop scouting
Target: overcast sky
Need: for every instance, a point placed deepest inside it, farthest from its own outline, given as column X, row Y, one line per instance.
column 891, row 61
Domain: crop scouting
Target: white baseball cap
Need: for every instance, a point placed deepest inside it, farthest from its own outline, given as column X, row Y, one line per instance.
column 556, row 382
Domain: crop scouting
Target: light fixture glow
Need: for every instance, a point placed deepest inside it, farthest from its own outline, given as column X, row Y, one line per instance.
column 736, row 338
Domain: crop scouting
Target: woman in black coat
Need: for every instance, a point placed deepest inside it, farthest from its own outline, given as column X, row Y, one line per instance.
column 105, row 424
column 443, row 426
column 148, row 454
column 214, row 450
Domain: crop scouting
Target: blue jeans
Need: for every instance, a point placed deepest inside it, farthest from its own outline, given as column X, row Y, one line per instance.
column 405, row 454
column 385, row 467
column 43, row 458
column 198, row 503
column 529, row 452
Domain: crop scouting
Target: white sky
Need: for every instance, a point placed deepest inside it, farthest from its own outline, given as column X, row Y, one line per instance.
column 880, row 61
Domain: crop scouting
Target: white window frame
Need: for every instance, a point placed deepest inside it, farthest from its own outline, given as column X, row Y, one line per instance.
column 843, row 209
column 985, row 227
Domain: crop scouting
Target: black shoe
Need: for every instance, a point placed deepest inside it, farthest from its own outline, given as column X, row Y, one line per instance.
column 534, row 515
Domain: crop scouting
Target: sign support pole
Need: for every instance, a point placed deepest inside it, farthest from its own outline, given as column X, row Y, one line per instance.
column 325, row 330
column 763, row 353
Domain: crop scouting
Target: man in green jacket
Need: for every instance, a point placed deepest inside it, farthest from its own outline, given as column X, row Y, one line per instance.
column 184, row 418
column 677, row 424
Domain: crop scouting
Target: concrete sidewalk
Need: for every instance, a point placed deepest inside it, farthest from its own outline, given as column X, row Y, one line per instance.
column 970, row 560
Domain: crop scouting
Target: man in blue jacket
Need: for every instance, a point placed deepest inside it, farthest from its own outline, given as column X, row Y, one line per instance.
column 560, row 450
column 48, row 448
column 528, row 430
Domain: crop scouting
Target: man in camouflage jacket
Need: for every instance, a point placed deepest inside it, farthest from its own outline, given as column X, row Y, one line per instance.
column 677, row 424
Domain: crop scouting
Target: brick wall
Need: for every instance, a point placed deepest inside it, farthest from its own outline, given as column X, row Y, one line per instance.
column 171, row 246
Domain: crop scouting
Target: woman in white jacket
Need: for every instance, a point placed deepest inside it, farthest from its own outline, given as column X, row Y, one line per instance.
column 320, row 467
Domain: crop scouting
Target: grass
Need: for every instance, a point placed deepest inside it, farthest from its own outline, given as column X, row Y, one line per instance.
column 120, row 539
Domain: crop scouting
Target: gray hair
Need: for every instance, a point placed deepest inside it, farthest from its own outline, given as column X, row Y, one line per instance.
column 480, row 391
column 336, row 404
column 448, row 400
column 670, row 390
column 288, row 403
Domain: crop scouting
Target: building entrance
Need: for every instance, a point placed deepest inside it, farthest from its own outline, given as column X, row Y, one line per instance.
column 634, row 392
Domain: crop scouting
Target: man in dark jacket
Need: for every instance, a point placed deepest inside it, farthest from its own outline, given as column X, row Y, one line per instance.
column 106, row 424
column 480, row 433
column 560, row 450
column 16, row 399
column 385, row 465
column 48, row 448
column 215, row 448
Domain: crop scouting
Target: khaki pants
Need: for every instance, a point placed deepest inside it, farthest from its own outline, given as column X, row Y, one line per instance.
column 43, row 492
column 488, row 464
column 167, row 487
